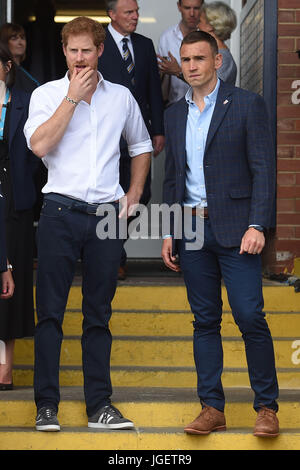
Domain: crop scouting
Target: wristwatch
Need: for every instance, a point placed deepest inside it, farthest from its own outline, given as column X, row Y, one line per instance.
column 9, row 267
column 260, row 228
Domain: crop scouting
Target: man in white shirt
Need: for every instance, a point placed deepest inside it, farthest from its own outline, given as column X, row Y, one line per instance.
column 75, row 125
column 169, row 46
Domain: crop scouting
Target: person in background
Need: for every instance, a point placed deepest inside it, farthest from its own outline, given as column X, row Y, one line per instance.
column 219, row 20
column 13, row 35
column 168, row 50
column 7, row 282
column 17, row 170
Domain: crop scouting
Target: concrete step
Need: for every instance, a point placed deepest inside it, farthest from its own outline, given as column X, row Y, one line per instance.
column 163, row 352
column 130, row 376
column 279, row 298
column 143, row 439
column 151, row 407
column 177, row 323
column 159, row 417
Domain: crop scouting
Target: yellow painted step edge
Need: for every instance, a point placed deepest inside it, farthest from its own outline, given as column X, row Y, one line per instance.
column 166, row 352
column 160, row 298
column 21, row 413
column 177, row 324
column 145, row 440
column 157, row 378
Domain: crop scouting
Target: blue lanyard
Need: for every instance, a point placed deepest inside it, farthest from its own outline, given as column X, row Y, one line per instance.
column 3, row 114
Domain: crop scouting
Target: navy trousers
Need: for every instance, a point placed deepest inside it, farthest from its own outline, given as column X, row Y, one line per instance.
column 64, row 236
column 203, row 270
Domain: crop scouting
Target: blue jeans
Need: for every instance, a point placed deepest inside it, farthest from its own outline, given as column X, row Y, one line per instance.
column 203, row 270
column 64, row 236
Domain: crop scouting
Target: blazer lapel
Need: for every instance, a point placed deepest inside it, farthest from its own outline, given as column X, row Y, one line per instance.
column 223, row 103
column 180, row 133
column 139, row 58
column 117, row 59
column 16, row 112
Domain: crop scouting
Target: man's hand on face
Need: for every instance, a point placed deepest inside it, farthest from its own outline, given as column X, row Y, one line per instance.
column 81, row 83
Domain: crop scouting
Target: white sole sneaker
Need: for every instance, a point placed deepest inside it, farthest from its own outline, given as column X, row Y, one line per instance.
column 48, row 427
column 128, row 425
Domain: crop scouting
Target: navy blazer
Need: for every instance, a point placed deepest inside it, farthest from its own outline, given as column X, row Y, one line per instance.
column 239, row 163
column 147, row 88
column 3, row 259
column 23, row 163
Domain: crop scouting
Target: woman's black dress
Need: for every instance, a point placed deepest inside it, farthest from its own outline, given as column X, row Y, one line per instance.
column 17, row 313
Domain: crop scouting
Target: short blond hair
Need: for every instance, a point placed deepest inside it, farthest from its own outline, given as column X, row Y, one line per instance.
column 81, row 25
column 221, row 17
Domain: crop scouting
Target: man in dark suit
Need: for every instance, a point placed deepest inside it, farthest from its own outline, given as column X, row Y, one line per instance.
column 220, row 164
column 129, row 59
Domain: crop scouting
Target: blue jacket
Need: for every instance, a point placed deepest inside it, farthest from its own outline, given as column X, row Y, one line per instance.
column 23, row 163
column 239, row 163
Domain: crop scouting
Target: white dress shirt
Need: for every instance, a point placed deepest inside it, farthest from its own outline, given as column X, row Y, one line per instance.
column 170, row 40
column 85, row 163
column 117, row 37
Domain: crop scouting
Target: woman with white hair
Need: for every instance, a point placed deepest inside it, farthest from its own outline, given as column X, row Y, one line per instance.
column 219, row 20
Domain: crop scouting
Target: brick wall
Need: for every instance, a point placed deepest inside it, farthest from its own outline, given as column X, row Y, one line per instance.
column 286, row 244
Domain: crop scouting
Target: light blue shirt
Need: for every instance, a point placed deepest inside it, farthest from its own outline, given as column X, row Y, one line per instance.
column 196, row 134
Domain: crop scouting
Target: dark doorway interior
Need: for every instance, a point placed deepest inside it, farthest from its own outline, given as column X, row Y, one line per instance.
column 44, row 57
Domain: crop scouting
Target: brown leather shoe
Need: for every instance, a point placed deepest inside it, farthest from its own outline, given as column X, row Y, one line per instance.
column 267, row 424
column 210, row 419
column 122, row 273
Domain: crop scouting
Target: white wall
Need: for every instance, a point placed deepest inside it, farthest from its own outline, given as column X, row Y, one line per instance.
column 164, row 12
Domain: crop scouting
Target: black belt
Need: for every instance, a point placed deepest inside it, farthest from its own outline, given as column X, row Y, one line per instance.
column 76, row 205
column 201, row 212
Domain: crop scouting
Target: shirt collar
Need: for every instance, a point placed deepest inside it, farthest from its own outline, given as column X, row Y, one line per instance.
column 178, row 31
column 116, row 35
column 209, row 99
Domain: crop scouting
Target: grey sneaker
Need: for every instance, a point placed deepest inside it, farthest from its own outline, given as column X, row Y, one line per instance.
column 109, row 417
column 46, row 420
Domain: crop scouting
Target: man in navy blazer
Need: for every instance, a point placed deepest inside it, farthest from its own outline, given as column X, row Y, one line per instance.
column 220, row 167
column 143, row 81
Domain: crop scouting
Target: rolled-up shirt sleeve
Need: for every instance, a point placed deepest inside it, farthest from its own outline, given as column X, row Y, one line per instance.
column 40, row 110
column 135, row 131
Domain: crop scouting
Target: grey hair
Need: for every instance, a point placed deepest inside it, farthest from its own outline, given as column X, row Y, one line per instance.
column 111, row 5
column 221, row 17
